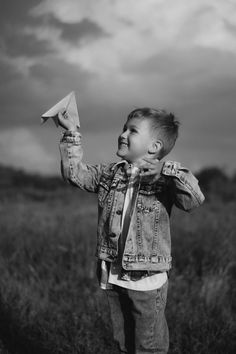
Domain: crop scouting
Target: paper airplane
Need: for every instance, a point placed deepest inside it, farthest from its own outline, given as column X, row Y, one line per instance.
column 68, row 103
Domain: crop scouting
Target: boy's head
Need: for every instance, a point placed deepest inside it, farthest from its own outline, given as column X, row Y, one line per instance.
column 147, row 133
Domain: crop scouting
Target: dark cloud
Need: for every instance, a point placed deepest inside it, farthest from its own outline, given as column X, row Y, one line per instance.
column 12, row 20
column 16, row 15
column 57, row 72
column 15, row 43
column 75, row 32
column 230, row 27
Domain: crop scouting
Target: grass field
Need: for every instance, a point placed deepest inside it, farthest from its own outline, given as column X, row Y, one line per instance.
column 50, row 301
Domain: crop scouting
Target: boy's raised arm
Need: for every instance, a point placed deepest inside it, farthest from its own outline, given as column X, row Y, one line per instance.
column 187, row 193
column 73, row 169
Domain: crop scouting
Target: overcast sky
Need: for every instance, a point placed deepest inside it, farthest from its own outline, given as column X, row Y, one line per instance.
column 117, row 55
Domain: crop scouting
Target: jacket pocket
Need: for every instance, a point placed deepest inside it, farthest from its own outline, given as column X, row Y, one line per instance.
column 107, row 187
column 148, row 214
column 148, row 207
column 103, row 193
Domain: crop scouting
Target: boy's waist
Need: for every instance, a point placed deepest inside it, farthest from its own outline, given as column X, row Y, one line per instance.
column 110, row 274
column 136, row 262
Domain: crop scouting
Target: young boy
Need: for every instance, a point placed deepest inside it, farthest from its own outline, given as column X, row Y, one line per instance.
column 135, row 198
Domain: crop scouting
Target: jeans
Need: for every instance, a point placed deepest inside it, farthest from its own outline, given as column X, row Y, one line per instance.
column 138, row 320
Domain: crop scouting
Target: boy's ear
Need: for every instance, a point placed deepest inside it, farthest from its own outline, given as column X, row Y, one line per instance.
column 155, row 147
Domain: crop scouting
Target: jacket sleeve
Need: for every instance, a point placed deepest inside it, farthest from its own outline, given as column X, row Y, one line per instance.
column 73, row 169
column 186, row 191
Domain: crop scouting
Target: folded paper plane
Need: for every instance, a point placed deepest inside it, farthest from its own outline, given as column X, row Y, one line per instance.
column 69, row 104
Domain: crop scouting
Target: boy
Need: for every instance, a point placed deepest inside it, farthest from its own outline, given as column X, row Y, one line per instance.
column 135, row 197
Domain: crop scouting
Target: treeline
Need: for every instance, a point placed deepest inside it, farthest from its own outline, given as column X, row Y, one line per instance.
column 16, row 178
column 214, row 182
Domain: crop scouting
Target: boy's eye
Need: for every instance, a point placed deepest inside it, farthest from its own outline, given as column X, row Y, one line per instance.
column 131, row 130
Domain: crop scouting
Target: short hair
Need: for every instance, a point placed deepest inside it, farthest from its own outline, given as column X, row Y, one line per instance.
column 163, row 123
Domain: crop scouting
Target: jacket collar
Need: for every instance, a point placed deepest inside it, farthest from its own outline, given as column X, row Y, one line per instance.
column 128, row 168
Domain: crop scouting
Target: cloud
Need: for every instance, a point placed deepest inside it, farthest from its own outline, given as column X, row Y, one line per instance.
column 142, row 29
column 12, row 14
column 61, row 74
column 21, row 148
column 114, row 34
column 112, row 39
column 83, row 31
column 16, row 43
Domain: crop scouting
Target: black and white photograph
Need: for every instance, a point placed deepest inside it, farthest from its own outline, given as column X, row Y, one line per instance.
column 118, row 177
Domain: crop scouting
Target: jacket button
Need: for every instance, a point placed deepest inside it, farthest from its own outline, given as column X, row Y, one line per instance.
column 112, row 234
column 119, row 212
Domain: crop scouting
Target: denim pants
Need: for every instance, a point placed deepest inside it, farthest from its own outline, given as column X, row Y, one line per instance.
column 138, row 320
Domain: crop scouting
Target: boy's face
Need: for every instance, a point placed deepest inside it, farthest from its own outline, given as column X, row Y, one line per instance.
column 136, row 140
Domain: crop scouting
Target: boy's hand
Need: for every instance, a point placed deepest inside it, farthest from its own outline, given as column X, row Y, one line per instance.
column 152, row 167
column 66, row 121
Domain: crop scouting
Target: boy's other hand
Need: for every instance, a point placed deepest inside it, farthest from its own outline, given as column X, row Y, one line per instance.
column 151, row 167
column 66, row 121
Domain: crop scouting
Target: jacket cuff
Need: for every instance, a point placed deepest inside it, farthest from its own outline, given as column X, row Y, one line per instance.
column 170, row 168
column 71, row 137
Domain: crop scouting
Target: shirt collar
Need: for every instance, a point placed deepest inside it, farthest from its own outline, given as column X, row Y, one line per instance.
column 117, row 164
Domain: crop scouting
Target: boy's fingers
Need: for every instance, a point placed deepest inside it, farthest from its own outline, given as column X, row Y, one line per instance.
column 63, row 120
column 148, row 173
column 152, row 167
column 63, row 115
column 66, row 121
column 61, row 112
column 60, row 116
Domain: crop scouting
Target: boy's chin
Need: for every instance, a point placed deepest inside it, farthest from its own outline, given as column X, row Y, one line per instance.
column 123, row 156
column 120, row 154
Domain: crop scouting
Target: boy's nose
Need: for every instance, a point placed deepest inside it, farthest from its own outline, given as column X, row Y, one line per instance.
column 124, row 134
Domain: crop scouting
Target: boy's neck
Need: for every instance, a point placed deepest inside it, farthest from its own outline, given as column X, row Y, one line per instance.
column 141, row 161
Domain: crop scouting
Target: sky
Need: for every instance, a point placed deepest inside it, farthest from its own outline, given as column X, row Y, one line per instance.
column 117, row 55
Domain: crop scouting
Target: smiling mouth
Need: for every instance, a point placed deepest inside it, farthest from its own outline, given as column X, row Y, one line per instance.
column 122, row 143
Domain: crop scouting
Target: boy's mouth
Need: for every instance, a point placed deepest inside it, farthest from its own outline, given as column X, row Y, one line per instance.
column 123, row 143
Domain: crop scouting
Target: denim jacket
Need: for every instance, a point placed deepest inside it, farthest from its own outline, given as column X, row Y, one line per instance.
column 148, row 243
